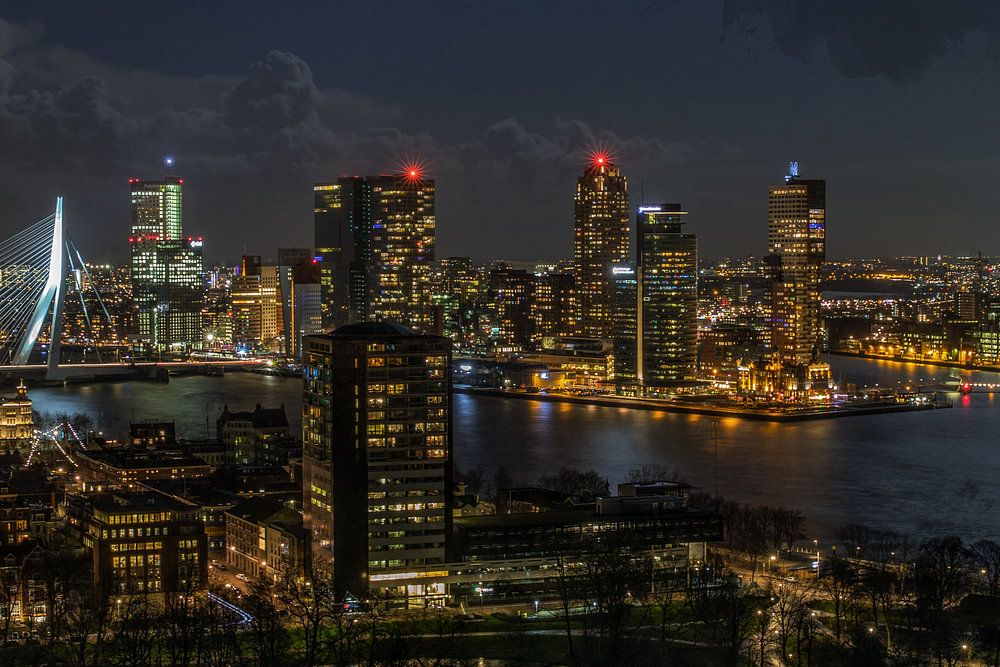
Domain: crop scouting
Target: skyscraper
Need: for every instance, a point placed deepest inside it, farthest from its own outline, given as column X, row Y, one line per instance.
column 343, row 226
column 256, row 305
column 377, row 453
column 797, row 249
column 375, row 238
column 167, row 268
column 301, row 297
column 667, row 270
column 601, row 241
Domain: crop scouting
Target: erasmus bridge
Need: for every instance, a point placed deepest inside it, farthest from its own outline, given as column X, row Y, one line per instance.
column 38, row 266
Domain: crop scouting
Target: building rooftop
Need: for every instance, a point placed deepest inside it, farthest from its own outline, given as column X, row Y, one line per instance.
column 260, row 509
column 131, row 501
column 137, row 459
column 372, row 329
column 563, row 518
column 260, row 417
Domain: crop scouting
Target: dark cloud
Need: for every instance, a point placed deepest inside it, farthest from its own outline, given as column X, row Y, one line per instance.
column 896, row 39
column 251, row 146
column 277, row 93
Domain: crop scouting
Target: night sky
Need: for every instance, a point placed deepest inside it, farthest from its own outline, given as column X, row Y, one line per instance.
column 700, row 101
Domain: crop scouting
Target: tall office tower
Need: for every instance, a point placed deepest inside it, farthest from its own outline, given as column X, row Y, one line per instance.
column 245, row 301
column 167, row 268
column 601, row 241
column 403, row 238
column 797, row 249
column 375, row 241
column 343, row 242
column 667, row 271
column 300, row 287
column 624, row 335
column 157, row 208
column 553, row 305
column 377, row 453
column 511, row 292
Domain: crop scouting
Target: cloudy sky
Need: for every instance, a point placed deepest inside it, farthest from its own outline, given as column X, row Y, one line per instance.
column 700, row 101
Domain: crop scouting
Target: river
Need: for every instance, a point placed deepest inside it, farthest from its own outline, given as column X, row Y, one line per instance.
column 923, row 473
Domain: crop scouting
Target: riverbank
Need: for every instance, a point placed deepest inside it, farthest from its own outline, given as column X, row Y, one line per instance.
column 922, row 362
column 756, row 414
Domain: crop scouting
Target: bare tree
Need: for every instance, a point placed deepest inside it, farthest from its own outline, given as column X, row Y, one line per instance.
column 10, row 595
column 268, row 640
column 311, row 604
column 653, row 472
column 986, row 556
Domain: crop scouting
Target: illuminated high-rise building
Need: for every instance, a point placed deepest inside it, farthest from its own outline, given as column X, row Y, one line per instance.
column 157, row 208
column 167, row 268
column 667, row 308
column 256, row 304
column 377, row 455
column 511, row 294
column 625, row 335
column 375, row 239
column 553, row 306
column 301, row 297
column 343, row 226
column 601, row 241
column 797, row 249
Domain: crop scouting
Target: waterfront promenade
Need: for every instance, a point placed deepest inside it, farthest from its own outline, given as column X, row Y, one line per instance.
column 763, row 413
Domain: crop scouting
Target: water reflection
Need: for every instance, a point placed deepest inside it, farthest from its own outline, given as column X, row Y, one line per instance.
column 927, row 472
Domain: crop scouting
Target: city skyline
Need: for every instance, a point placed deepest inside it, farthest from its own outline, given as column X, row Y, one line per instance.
column 252, row 128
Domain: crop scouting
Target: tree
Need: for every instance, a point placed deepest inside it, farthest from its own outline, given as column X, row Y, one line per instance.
column 941, row 578
column 788, row 612
column 10, row 595
column 986, row 556
column 575, row 482
column 612, row 577
column 133, row 631
column 87, row 625
column 837, row 584
column 268, row 640
column 311, row 604
column 652, row 472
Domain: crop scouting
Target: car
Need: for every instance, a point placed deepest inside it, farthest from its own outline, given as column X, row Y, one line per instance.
column 221, row 566
column 242, row 577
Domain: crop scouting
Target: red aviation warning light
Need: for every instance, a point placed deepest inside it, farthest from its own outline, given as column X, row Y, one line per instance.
column 413, row 172
column 599, row 159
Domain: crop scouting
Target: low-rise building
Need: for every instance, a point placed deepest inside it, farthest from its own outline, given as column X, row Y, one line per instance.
column 16, row 420
column 144, row 542
column 264, row 538
column 243, row 432
column 129, row 466
column 152, row 433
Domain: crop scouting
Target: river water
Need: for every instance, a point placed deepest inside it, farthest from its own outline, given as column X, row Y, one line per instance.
column 923, row 473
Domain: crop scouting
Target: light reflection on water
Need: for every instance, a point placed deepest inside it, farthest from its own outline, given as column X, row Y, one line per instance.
column 926, row 472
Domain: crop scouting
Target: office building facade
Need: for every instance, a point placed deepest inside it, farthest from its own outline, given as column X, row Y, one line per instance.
column 667, row 268
column 796, row 252
column 167, row 268
column 601, row 241
column 375, row 240
column 377, row 453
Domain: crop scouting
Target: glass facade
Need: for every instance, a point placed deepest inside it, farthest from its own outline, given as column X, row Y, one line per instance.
column 167, row 269
column 667, row 296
